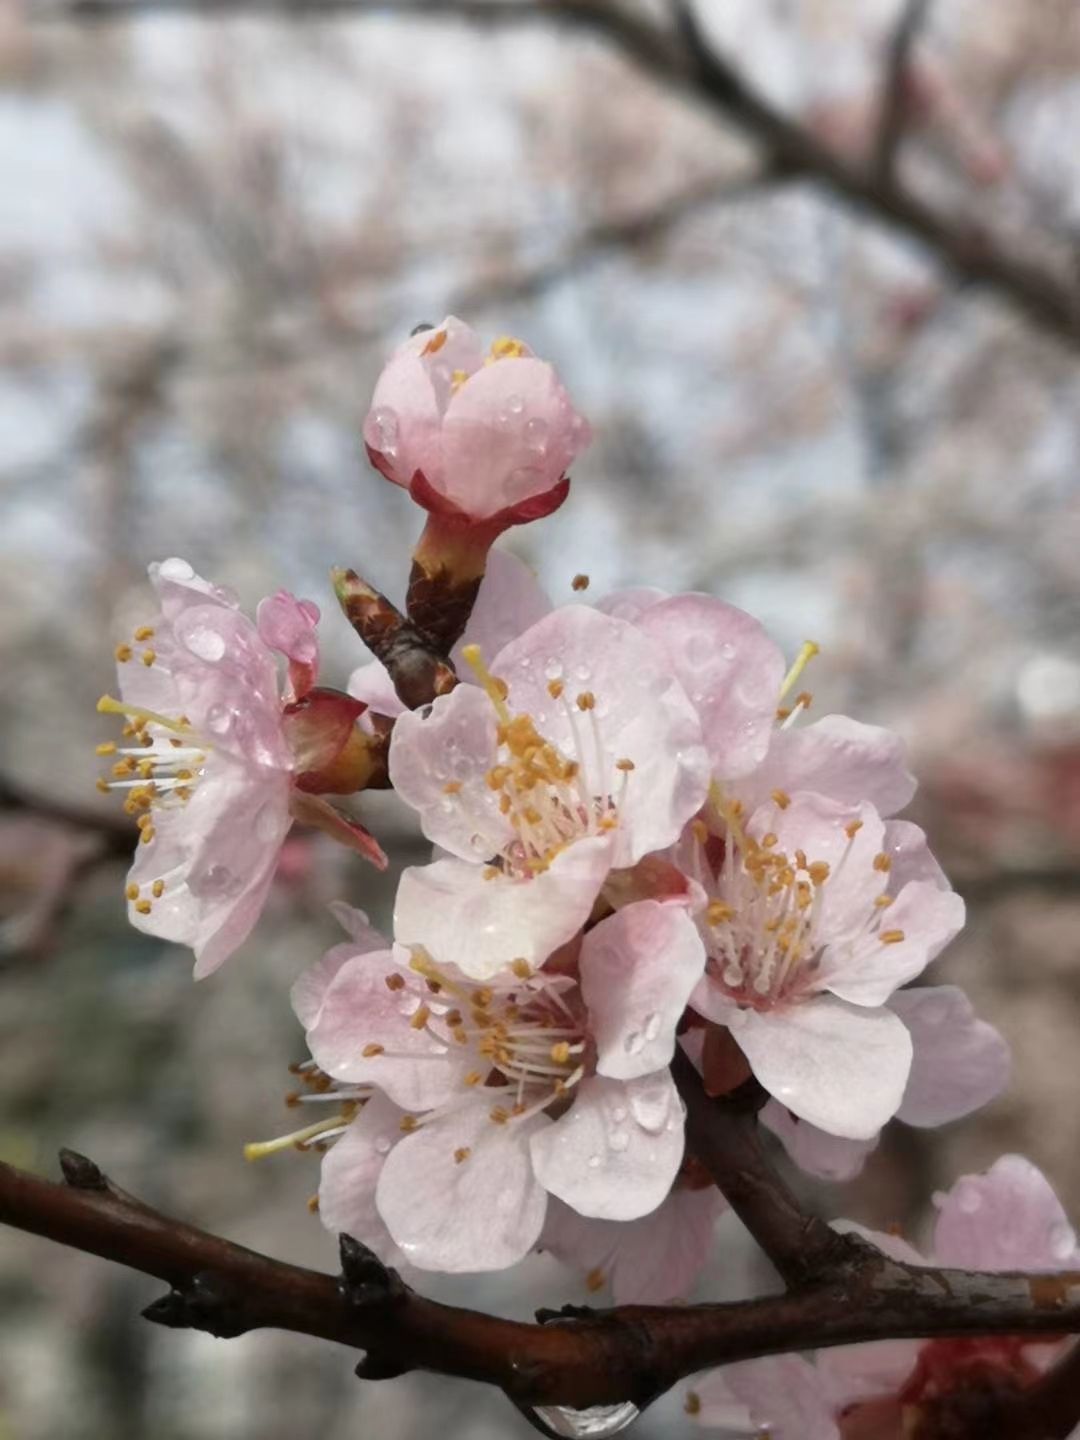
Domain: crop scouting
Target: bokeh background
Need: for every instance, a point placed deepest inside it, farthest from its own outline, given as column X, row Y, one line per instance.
column 215, row 220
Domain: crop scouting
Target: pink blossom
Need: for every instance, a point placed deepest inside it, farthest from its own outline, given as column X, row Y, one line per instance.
column 214, row 757
column 487, row 436
column 590, row 760
column 653, row 1260
column 959, row 1063
column 818, row 912
column 541, row 1082
column 1005, row 1219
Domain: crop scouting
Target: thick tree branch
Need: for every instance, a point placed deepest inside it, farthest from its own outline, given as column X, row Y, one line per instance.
column 685, row 62
column 574, row 1357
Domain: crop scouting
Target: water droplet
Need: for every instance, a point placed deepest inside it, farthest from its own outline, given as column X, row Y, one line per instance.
column 596, row 1423
column 618, row 1114
column 383, row 1144
column 384, row 429
column 220, row 719
column 652, row 1025
column 969, row 1200
column 1062, row 1240
column 267, row 824
column 618, row 1140
column 516, row 404
column 582, row 672
column 634, row 1042
column 727, row 650
column 216, row 882
column 594, row 1162
column 176, row 569
column 536, row 431
column 206, row 644
column 523, row 482
column 552, row 668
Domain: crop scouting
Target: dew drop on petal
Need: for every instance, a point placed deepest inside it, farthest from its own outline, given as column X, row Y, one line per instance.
column 1062, row 1240
column 516, row 404
column 634, row 1042
column 216, row 882
column 594, row 1162
column 220, row 719
column 176, row 569
column 618, row 1140
column 652, row 1025
column 727, row 650
column 206, row 644
column 383, row 1144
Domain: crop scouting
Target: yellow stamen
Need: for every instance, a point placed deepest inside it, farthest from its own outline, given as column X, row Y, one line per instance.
column 891, row 937
column 108, row 706
column 157, row 889
column 882, row 863
column 143, row 907
column 108, row 748
column 148, row 657
column 132, row 891
column 258, row 1150
column 594, row 1281
column 494, row 690
column 853, row 828
column 579, row 582
column 461, row 1155
column 805, row 655
column 370, row 1051
column 781, row 798
column 122, row 654
column 521, row 968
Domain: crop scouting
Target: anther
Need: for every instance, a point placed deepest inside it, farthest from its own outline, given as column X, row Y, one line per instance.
column 420, row 1019
column 625, row 765
column 132, row 891
column 473, row 1078
column 122, row 654
column 891, row 937
column 560, row 1052
column 781, row 798
column 498, row 1115
column 586, row 700
column 579, row 582
column 852, row 828
column 107, row 748
column 452, row 787
column 594, row 1281
column 143, row 907
column 102, row 785
column 148, row 657
column 461, row 1155
column 818, row 871
column 555, row 688
column 372, row 1049
column 521, row 968
column 395, row 981
column 408, row 1124
column 144, row 632
column 882, row 863
column 157, row 889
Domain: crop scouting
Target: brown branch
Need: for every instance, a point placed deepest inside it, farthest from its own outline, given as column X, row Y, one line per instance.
column 896, row 87
column 685, row 62
column 848, row 1293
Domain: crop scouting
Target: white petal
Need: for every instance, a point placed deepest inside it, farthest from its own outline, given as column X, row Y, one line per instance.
column 510, row 599
column 830, row 1157
column 483, row 1212
column 865, row 971
column 616, row 1151
column 350, row 1173
column 481, row 925
column 1007, row 1219
column 843, row 1069
column 638, row 969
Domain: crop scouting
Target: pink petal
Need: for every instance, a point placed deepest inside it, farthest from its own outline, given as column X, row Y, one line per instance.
column 359, row 1010
column 510, row 599
column 350, row 1173
column 844, row 1069
column 867, row 1372
column 630, row 604
column 216, row 856
column 371, row 683
column 452, row 742
column 960, row 1063
column 641, row 715
column 616, row 1152
column 838, row 757
column 509, row 433
column 905, row 844
column 481, row 925
column 829, row 1157
column 289, row 626
column 638, row 969
column 1007, row 1219
column 730, row 669
column 785, row 1395
column 865, row 971
column 654, row 1260
column 310, row 987
column 484, row 1212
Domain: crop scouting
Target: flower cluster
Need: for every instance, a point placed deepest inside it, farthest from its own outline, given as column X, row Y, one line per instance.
column 640, row 844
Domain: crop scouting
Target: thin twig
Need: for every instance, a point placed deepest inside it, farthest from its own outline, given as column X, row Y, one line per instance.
column 896, row 87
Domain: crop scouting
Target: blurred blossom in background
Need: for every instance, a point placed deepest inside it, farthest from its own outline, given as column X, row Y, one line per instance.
column 214, row 227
